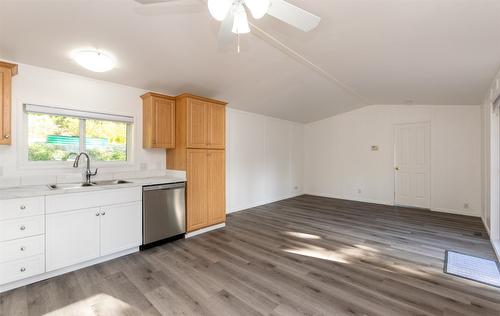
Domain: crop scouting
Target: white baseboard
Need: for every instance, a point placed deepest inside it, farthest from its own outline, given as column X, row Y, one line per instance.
column 496, row 247
column 205, row 230
column 458, row 212
column 47, row 275
column 474, row 213
column 352, row 198
column 486, row 226
column 259, row 203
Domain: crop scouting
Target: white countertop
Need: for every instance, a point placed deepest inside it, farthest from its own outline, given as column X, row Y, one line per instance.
column 43, row 190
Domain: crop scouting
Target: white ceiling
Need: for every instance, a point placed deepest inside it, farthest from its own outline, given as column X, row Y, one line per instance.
column 363, row 52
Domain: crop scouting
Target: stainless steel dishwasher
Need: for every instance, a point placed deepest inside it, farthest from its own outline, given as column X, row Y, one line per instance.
column 163, row 213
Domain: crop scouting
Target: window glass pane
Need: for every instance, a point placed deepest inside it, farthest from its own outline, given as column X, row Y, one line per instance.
column 52, row 137
column 106, row 141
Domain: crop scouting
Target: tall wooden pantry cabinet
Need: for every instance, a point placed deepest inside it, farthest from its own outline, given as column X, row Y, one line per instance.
column 200, row 142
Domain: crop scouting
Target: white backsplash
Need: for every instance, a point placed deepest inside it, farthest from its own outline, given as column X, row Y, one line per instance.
column 6, row 182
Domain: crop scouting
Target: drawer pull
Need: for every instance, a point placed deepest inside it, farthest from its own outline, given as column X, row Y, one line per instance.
column 23, row 269
column 22, row 227
column 97, row 214
column 103, row 213
column 23, row 207
column 23, row 248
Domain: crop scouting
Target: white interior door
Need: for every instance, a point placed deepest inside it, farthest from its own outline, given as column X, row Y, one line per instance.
column 412, row 165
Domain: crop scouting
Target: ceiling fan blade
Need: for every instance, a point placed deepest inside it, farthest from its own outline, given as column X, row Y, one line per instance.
column 153, row 1
column 293, row 15
column 225, row 34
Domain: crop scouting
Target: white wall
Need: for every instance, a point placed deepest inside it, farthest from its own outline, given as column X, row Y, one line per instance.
column 339, row 160
column 52, row 88
column 264, row 157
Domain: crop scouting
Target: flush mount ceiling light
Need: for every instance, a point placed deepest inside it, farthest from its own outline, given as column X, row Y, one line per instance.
column 94, row 60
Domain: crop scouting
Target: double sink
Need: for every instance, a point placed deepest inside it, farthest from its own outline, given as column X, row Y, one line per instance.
column 69, row 186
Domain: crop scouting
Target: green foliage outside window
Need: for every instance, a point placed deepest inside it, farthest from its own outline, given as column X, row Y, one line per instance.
column 53, row 138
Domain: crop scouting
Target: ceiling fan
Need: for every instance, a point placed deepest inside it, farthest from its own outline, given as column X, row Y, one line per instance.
column 233, row 14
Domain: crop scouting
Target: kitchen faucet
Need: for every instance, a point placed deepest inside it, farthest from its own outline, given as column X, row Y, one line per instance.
column 88, row 172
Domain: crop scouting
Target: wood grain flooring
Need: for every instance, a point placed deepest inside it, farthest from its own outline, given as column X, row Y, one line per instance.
column 302, row 256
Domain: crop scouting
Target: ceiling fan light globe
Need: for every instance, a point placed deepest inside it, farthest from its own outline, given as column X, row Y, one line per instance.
column 240, row 24
column 258, row 8
column 219, row 8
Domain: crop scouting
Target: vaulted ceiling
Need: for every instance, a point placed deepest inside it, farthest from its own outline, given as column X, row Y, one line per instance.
column 363, row 52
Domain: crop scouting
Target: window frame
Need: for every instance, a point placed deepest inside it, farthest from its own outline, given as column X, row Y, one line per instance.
column 30, row 164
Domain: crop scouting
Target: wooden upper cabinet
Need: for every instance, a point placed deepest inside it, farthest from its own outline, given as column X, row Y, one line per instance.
column 206, row 122
column 197, row 123
column 216, row 126
column 7, row 71
column 158, row 121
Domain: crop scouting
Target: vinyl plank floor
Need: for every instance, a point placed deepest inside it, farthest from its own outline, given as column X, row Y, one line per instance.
column 302, row 256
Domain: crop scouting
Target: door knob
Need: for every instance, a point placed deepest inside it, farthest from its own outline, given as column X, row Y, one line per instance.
column 397, row 168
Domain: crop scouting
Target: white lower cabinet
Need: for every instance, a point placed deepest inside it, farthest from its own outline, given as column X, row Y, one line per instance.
column 121, row 227
column 20, row 269
column 74, row 237
column 71, row 237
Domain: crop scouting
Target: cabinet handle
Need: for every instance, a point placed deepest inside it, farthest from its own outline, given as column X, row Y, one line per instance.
column 23, row 248
column 23, row 269
column 97, row 214
column 22, row 207
column 22, row 227
column 6, row 136
column 103, row 213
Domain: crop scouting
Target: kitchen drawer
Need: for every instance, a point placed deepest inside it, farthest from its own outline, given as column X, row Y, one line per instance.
column 16, row 208
column 90, row 199
column 20, row 269
column 22, row 227
column 22, row 248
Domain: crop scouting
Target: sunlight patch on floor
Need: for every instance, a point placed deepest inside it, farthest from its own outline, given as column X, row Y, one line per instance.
column 317, row 252
column 302, row 235
column 100, row 304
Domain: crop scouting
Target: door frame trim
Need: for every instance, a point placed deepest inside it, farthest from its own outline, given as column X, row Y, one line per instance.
column 394, row 126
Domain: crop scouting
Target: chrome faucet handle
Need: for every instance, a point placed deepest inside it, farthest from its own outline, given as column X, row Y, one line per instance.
column 94, row 173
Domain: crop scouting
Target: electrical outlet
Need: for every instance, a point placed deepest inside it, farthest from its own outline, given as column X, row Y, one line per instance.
column 296, row 187
column 359, row 191
column 466, row 206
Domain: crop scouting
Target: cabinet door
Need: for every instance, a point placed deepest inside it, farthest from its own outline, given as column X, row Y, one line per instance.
column 216, row 186
column 121, row 227
column 196, row 189
column 5, row 105
column 196, row 124
column 216, row 126
column 71, row 237
column 164, row 121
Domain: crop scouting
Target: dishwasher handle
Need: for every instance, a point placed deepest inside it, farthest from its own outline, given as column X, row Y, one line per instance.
column 165, row 186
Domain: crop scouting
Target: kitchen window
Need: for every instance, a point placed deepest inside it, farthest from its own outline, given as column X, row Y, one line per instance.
column 55, row 133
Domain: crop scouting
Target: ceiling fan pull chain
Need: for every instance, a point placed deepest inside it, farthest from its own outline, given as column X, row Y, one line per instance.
column 238, row 36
